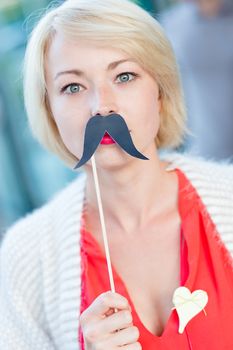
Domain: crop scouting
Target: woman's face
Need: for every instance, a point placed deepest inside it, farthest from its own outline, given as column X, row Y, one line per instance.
column 84, row 79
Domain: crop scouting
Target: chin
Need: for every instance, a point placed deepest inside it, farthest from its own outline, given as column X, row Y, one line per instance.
column 112, row 159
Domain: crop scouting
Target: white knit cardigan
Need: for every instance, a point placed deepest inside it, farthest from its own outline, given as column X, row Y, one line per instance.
column 40, row 259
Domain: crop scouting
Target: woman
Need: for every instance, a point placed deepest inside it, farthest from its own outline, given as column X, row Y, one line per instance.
column 169, row 221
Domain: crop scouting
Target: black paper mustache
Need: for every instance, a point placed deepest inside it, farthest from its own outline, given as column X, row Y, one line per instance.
column 116, row 127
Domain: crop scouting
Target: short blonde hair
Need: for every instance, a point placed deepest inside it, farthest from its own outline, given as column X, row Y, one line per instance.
column 125, row 26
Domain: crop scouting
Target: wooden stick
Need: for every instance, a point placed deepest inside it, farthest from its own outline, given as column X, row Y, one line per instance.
column 103, row 226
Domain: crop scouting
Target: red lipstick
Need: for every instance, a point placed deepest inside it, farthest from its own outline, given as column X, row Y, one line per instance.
column 107, row 140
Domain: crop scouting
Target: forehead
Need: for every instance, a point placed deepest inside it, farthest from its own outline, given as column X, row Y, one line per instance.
column 63, row 53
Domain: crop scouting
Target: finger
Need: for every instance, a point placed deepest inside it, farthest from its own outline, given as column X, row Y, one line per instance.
column 135, row 346
column 109, row 300
column 104, row 328
column 105, row 345
column 112, row 311
column 102, row 304
column 121, row 339
column 125, row 336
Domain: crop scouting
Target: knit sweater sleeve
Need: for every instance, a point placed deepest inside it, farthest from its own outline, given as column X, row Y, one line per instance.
column 22, row 323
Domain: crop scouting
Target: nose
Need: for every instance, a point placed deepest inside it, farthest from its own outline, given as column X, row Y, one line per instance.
column 103, row 101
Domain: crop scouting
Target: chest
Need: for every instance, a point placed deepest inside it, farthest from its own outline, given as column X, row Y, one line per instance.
column 149, row 266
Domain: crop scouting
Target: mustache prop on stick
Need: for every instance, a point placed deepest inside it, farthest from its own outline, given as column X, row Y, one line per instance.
column 116, row 127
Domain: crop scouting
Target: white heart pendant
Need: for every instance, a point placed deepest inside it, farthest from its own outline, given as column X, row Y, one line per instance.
column 188, row 304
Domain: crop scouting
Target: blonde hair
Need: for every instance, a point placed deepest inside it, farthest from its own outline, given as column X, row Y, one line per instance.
column 128, row 28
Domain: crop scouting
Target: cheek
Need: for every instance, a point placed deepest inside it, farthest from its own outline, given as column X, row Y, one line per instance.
column 151, row 107
column 71, row 125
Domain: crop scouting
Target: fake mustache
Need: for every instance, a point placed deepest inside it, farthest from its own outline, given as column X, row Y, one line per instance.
column 116, row 127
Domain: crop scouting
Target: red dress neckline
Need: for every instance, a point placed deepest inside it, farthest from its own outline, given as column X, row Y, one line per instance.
column 191, row 210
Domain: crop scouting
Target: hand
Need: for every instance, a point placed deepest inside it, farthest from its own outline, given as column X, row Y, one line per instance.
column 107, row 324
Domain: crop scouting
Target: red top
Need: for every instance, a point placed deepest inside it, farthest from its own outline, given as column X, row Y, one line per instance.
column 205, row 264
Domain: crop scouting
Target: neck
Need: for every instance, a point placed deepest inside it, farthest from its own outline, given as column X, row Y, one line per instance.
column 130, row 195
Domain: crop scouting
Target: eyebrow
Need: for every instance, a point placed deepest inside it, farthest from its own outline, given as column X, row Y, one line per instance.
column 79, row 73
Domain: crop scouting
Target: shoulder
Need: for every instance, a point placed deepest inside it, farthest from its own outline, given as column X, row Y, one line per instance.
column 203, row 171
column 214, row 183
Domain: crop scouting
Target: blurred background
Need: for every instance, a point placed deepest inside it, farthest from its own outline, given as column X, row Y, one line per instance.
column 201, row 32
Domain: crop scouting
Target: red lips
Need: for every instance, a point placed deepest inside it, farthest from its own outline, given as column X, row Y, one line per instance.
column 107, row 140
